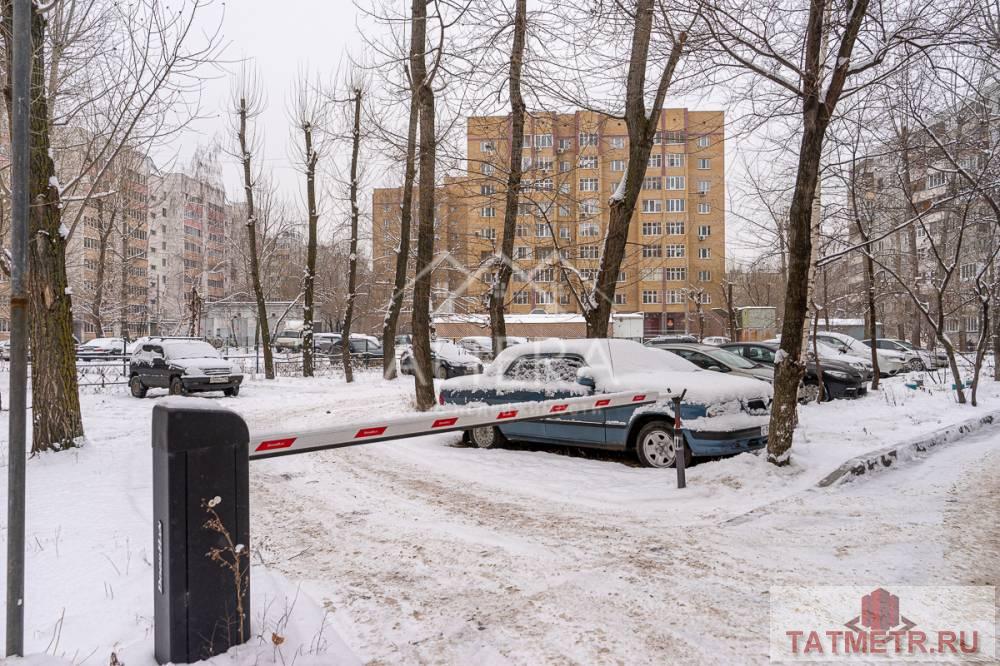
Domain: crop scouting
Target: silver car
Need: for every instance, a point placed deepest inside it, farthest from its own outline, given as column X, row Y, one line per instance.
column 709, row 357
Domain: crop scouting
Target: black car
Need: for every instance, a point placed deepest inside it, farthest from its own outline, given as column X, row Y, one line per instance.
column 840, row 379
column 671, row 337
column 183, row 366
column 101, row 349
column 447, row 360
column 363, row 350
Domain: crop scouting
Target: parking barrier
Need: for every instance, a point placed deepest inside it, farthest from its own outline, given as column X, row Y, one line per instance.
column 201, row 501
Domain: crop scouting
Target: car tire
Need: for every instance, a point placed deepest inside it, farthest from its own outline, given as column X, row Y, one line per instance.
column 486, row 437
column 654, row 445
column 808, row 393
column 915, row 365
column 231, row 392
column 137, row 388
column 441, row 373
column 177, row 386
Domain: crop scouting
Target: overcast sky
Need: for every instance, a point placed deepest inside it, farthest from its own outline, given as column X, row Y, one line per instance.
column 286, row 37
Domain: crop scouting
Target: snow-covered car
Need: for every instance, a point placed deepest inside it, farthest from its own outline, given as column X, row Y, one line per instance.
column 447, row 360
column 716, row 340
column 101, row 348
column 913, row 358
column 840, row 379
column 482, row 345
column 181, row 365
column 721, row 414
column 290, row 339
column 889, row 362
column 709, row 357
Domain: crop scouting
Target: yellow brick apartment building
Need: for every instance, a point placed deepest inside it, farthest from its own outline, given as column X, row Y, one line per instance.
column 675, row 259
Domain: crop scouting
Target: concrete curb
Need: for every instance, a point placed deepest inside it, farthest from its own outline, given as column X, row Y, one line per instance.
column 882, row 458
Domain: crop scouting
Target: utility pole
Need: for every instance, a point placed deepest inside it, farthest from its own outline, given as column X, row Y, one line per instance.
column 20, row 106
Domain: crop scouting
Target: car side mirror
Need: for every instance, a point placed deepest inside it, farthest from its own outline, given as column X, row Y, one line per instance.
column 716, row 368
column 584, row 378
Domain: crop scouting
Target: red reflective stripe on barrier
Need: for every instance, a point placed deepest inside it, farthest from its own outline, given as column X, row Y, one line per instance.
column 604, row 402
column 559, row 408
column 639, row 398
column 444, row 423
column 273, row 444
column 507, row 415
column 370, row 432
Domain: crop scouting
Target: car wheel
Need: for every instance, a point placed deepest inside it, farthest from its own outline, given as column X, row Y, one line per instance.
column 655, row 447
column 487, row 437
column 441, row 373
column 915, row 364
column 809, row 393
column 137, row 387
column 177, row 386
column 231, row 392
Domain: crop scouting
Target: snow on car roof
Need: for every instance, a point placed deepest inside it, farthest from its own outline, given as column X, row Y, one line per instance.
column 622, row 365
column 451, row 351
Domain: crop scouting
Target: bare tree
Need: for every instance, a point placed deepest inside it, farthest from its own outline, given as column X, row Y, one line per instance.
column 248, row 105
column 357, row 92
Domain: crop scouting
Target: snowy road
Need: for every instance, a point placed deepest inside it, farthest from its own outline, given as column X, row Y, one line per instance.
column 421, row 566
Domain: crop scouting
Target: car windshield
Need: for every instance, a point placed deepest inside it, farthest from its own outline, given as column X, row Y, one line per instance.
column 101, row 342
column 904, row 344
column 730, row 359
column 190, row 349
column 290, row 334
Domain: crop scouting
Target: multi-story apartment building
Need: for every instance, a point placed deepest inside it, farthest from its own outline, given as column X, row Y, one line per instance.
column 187, row 245
column 675, row 258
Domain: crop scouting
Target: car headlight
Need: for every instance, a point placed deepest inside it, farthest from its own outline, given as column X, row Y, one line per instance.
column 193, row 371
column 836, row 374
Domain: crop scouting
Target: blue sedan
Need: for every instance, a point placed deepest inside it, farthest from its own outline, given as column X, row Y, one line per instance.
column 721, row 415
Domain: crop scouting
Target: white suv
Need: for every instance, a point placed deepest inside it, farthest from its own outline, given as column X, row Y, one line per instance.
column 889, row 362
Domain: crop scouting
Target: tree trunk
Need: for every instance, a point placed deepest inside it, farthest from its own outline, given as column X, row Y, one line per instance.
column 308, row 313
column 389, row 325
column 981, row 346
column 641, row 130
column 97, row 303
column 995, row 337
column 421, row 322
column 352, row 271
column 498, row 292
column 251, row 226
column 870, row 320
column 56, row 422
column 125, row 266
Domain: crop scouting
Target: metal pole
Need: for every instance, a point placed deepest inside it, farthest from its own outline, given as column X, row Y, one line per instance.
column 20, row 175
column 679, row 442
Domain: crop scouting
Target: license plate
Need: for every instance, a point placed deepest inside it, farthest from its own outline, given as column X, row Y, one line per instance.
column 763, row 430
column 218, row 380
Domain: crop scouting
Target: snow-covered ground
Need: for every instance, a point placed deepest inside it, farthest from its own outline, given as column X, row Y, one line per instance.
column 426, row 551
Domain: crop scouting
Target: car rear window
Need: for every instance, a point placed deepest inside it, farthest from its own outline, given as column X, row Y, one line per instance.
column 545, row 369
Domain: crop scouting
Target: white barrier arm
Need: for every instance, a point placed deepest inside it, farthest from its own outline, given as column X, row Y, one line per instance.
column 270, row 445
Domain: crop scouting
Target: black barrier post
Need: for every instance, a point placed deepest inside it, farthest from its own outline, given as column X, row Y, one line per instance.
column 201, row 530
column 679, row 442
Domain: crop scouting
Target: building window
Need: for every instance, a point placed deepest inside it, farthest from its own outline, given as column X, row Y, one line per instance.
column 564, row 233
column 543, row 252
column 486, row 169
column 704, row 253
column 544, row 275
column 487, row 190
column 652, row 206
column 675, row 160
column 525, row 163
column 675, row 250
column 650, row 297
column 521, row 231
column 673, row 296
column 620, row 299
column 971, row 324
column 544, row 164
column 704, row 276
column 676, row 205
column 543, row 141
column 652, row 183
column 704, row 141
column 521, row 298
column 564, row 166
column 522, row 252
column 675, row 274
column 488, row 211
column 589, row 229
column 588, row 162
column 650, row 251
column 651, row 229
column 675, row 228
column 565, row 144
column 488, row 233
column 589, row 252
column 564, row 211
column 588, row 184
column 704, row 298
column 617, row 142
column 542, row 230
column 565, row 253
column 588, row 206
column 487, row 147
column 936, row 179
column 704, row 163
column 588, row 139
column 675, row 182
column 704, row 208
column 968, row 271
column 704, row 230
column 704, row 186
column 543, row 185
column 544, row 297
column 655, row 161
column 673, row 136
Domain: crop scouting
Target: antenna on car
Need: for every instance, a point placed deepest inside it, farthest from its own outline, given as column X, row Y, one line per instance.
column 611, row 360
